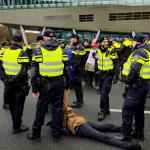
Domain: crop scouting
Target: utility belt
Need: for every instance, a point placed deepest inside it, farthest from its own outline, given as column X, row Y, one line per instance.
column 52, row 78
column 13, row 78
column 137, row 84
column 104, row 72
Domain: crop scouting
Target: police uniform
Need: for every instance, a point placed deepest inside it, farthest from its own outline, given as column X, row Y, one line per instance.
column 13, row 72
column 105, row 70
column 5, row 104
column 47, row 79
column 136, row 75
column 116, row 47
column 125, row 51
column 77, row 62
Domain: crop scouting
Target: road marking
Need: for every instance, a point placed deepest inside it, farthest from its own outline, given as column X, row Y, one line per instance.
column 120, row 110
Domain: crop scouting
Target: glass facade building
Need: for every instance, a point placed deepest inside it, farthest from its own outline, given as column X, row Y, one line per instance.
column 62, row 34
column 8, row 4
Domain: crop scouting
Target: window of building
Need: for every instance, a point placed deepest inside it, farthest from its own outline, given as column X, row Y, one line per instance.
column 86, row 18
column 129, row 16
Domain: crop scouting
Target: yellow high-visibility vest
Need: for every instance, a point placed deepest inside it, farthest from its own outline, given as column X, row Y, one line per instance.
column 104, row 62
column 52, row 64
column 145, row 69
column 10, row 62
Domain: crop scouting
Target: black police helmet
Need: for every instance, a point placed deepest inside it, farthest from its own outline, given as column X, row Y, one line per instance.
column 50, row 33
column 139, row 38
column 101, row 39
column 74, row 36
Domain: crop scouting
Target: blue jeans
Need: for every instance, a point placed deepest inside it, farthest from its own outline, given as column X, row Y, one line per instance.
column 94, row 131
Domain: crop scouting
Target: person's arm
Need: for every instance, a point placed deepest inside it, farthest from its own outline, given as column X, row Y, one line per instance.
column 66, row 71
column 3, row 76
column 36, row 59
column 139, row 59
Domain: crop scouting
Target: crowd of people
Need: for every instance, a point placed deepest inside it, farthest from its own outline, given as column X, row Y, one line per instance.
column 55, row 67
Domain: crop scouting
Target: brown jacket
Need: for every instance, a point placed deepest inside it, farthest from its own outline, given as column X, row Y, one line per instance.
column 70, row 119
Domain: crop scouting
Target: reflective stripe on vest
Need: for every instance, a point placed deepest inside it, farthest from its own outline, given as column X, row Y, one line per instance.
column 10, row 61
column 145, row 69
column 104, row 62
column 76, row 52
column 65, row 57
column 52, row 64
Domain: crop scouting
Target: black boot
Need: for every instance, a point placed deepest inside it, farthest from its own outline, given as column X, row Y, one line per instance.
column 136, row 146
column 30, row 136
column 138, row 135
column 101, row 116
column 22, row 128
column 6, row 106
column 77, row 104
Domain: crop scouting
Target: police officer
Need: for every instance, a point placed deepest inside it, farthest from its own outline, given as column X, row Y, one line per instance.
column 105, row 70
column 88, row 75
column 4, row 47
column 136, row 75
column 13, row 72
column 48, row 85
column 125, row 50
column 116, row 45
column 77, row 62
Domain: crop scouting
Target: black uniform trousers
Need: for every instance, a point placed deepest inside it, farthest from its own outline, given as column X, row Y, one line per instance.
column 51, row 91
column 16, row 93
column 105, row 84
column 77, row 81
column 134, row 108
column 5, row 97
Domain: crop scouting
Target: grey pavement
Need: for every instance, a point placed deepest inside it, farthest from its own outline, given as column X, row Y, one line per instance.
column 89, row 111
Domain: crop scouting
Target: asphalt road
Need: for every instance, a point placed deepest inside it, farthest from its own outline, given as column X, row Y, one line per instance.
column 91, row 98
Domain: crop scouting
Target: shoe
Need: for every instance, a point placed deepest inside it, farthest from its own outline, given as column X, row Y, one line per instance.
column 101, row 116
column 136, row 146
column 33, row 138
column 138, row 135
column 123, row 138
column 77, row 104
column 56, row 139
column 6, row 106
column 22, row 128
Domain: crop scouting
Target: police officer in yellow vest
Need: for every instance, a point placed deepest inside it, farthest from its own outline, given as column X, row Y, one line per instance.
column 4, row 46
column 125, row 50
column 136, row 75
column 77, row 62
column 105, row 66
column 48, row 85
column 116, row 45
column 13, row 72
